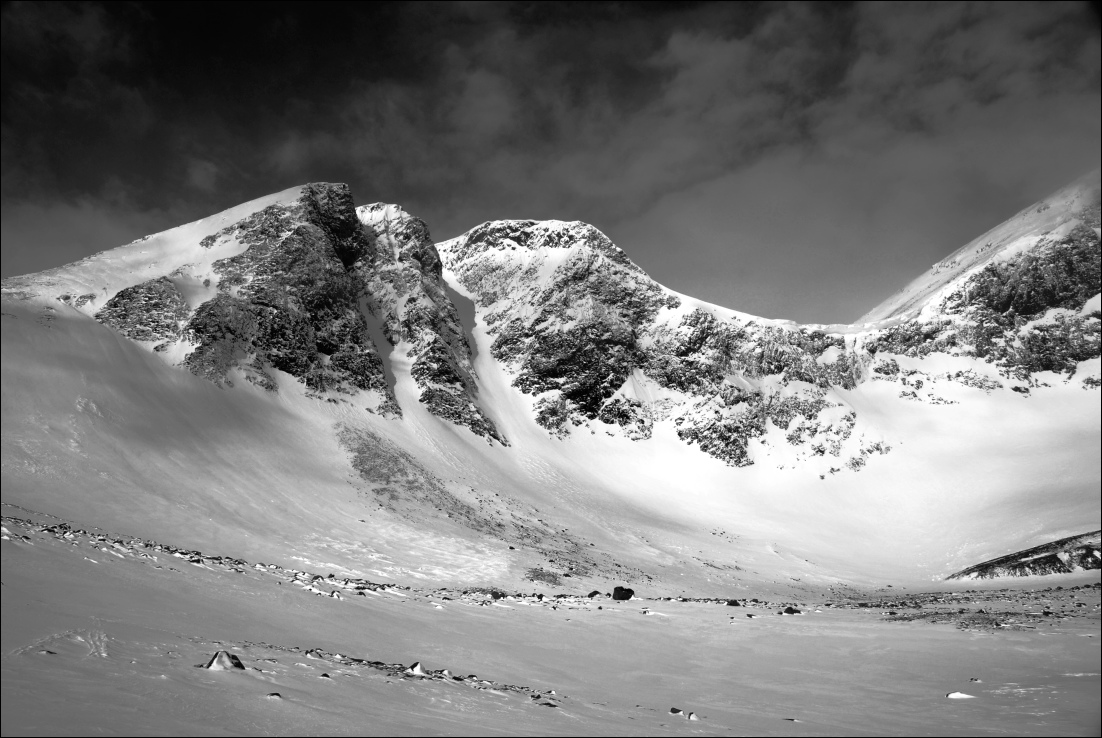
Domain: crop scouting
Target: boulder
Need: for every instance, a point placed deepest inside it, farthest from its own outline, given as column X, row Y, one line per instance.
column 594, row 593
column 734, row 603
column 224, row 661
column 622, row 593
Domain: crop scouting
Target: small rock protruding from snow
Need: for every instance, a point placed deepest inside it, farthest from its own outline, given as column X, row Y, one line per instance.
column 274, row 696
column 416, row 670
column 224, row 661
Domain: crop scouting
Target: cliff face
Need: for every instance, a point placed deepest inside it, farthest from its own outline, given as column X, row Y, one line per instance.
column 287, row 300
column 291, row 286
column 597, row 343
column 405, row 290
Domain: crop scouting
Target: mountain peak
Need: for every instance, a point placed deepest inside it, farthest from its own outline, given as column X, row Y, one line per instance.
column 511, row 238
column 1055, row 215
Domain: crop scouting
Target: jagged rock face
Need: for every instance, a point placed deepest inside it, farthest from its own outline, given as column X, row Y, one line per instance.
column 407, row 293
column 575, row 319
column 290, row 300
column 1025, row 314
column 744, row 376
column 150, row 311
column 563, row 306
column 581, row 328
column 1075, row 553
column 305, row 274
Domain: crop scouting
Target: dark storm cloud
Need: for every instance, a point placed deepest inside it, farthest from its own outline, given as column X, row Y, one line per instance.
column 800, row 160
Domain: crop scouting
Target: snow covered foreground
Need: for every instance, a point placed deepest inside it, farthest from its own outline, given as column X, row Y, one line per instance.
column 166, row 390
column 104, row 634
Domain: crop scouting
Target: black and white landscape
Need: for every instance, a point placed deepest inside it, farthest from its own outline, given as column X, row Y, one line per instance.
column 300, row 467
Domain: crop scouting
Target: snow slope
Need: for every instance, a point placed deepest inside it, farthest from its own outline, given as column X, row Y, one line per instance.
column 1012, row 236
column 587, row 428
column 102, row 275
column 293, row 472
column 104, row 635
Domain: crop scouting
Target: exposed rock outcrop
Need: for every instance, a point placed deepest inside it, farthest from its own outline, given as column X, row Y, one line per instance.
column 598, row 344
column 582, row 327
column 304, row 277
column 1026, row 314
column 150, row 311
column 291, row 300
column 1075, row 553
column 407, row 293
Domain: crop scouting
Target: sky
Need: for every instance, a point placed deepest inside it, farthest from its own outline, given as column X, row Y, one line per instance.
column 799, row 161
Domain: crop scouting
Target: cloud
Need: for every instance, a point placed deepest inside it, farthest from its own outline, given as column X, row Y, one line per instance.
column 786, row 138
column 83, row 33
column 202, row 174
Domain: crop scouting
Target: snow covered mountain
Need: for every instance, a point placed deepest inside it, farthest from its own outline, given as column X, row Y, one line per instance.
column 1074, row 553
column 294, row 375
column 596, row 341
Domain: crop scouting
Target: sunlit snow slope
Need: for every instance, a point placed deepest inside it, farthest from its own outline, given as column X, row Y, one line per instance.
column 292, row 381
column 1010, row 237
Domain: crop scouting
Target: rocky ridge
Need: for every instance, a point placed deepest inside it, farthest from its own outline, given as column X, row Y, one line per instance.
column 1035, row 311
column 298, row 297
column 598, row 344
column 587, row 335
column 1074, row 553
column 287, row 301
column 304, row 279
column 405, row 290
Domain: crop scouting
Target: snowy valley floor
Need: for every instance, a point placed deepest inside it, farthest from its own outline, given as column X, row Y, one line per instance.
column 102, row 634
